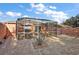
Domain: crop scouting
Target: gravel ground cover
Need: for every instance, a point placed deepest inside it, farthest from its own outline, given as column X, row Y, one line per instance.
column 61, row 45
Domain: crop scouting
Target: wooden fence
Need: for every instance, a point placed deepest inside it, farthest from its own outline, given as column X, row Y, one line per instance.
column 69, row 31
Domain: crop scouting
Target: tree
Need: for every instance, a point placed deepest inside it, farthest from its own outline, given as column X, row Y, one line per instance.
column 73, row 21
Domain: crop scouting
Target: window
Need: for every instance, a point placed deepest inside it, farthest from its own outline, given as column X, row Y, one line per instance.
column 27, row 28
column 37, row 28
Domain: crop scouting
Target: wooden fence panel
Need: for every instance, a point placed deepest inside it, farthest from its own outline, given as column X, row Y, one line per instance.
column 70, row 31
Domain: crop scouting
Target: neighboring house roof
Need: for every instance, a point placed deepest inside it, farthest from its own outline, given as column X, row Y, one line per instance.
column 10, row 22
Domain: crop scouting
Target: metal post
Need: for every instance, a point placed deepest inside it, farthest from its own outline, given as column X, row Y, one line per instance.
column 17, row 29
column 77, row 23
column 24, row 29
column 56, row 29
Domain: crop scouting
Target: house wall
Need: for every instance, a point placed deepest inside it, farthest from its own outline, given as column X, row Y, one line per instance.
column 12, row 28
column 4, row 32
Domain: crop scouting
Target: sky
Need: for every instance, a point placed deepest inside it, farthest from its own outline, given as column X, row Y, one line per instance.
column 52, row 11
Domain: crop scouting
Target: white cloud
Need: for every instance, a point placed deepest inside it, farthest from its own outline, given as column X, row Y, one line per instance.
column 39, row 7
column 32, row 5
column 52, row 7
column 48, row 12
column 60, row 19
column 37, row 12
column 1, row 13
column 13, row 14
column 25, row 16
column 58, row 16
column 53, row 12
